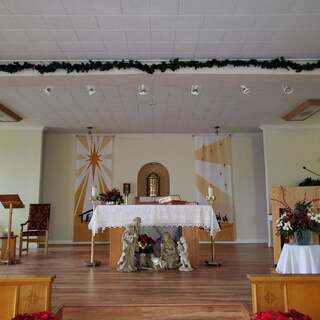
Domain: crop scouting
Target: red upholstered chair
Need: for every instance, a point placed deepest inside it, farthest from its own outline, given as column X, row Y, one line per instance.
column 37, row 226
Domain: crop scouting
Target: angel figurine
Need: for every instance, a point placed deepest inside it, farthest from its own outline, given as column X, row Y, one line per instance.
column 183, row 253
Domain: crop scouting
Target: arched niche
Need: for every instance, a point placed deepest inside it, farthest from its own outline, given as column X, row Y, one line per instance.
column 161, row 171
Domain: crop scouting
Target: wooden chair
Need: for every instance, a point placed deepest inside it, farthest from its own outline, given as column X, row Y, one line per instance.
column 37, row 226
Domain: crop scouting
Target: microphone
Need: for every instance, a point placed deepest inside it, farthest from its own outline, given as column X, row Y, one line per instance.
column 315, row 173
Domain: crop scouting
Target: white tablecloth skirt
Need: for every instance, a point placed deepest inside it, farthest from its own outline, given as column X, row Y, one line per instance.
column 299, row 259
column 112, row 216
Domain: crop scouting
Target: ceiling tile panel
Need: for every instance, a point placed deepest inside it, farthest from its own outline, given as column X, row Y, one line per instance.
column 35, row 7
column 31, row 22
column 84, row 22
column 93, row 7
column 139, row 7
column 206, row 7
column 14, row 35
column 123, row 22
column 229, row 21
column 58, row 22
column 162, row 35
column 113, row 36
column 187, row 35
column 166, row 7
column 138, row 35
column 89, row 35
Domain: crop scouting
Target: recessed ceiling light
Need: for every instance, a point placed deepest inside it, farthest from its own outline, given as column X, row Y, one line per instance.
column 142, row 91
column 195, row 89
column 90, row 89
column 245, row 90
column 47, row 89
column 287, row 90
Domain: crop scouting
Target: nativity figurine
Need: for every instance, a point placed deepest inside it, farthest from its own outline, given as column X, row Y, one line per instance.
column 169, row 252
column 183, row 253
column 127, row 261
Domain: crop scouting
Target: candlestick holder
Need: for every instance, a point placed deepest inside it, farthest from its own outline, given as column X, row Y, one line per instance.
column 92, row 262
column 212, row 262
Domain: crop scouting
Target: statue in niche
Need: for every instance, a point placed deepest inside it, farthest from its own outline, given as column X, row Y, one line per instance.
column 153, row 185
column 127, row 261
column 183, row 253
column 169, row 251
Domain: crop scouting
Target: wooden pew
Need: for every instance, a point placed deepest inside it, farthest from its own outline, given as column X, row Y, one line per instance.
column 285, row 292
column 24, row 294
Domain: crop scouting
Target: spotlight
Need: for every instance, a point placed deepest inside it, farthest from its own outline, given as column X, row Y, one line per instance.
column 245, row 90
column 195, row 90
column 91, row 90
column 287, row 90
column 217, row 129
column 142, row 91
column 47, row 90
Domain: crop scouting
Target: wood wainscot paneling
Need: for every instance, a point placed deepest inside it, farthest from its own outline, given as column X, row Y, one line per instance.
column 286, row 292
column 292, row 195
column 226, row 234
column 24, row 294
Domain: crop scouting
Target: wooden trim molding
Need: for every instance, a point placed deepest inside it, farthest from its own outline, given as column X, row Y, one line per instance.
column 296, row 113
column 9, row 113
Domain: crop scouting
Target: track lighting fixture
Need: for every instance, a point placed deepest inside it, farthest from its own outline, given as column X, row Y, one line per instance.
column 91, row 90
column 142, row 91
column 195, row 89
column 47, row 90
column 244, row 90
column 287, row 90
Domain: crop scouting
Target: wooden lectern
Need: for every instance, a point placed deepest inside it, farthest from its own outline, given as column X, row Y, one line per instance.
column 10, row 201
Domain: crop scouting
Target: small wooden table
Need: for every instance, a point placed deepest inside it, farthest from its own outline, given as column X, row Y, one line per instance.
column 5, row 255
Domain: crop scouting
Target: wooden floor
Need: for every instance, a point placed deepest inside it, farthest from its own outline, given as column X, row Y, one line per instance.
column 79, row 285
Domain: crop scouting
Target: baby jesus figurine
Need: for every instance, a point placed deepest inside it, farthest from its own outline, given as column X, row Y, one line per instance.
column 183, row 253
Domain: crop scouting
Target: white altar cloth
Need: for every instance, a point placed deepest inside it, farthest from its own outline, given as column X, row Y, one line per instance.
column 299, row 259
column 112, row 216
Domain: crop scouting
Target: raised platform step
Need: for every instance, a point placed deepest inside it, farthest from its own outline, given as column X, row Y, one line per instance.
column 155, row 312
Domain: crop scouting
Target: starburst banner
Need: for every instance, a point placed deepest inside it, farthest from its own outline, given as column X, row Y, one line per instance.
column 93, row 167
column 213, row 167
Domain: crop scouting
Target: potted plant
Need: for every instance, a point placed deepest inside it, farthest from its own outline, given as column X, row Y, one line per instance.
column 300, row 221
column 112, row 197
column 277, row 315
column 44, row 315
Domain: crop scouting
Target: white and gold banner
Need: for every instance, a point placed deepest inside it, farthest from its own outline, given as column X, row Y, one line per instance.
column 93, row 167
column 213, row 167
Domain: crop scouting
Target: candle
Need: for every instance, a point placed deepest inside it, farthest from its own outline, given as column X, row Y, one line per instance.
column 94, row 192
column 210, row 191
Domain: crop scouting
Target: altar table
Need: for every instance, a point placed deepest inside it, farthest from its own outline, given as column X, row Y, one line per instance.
column 189, row 217
column 299, row 259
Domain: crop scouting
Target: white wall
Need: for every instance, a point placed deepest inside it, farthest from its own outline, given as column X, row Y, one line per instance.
column 249, row 187
column 20, row 170
column 175, row 151
column 287, row 150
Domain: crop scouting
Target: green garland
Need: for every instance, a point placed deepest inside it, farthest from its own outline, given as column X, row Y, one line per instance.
column 172, row 65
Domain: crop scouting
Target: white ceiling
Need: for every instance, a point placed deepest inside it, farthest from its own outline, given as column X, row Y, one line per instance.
column 116, row 107
column 158, row 29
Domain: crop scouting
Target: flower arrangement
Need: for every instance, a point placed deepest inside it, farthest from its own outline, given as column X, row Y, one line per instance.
column 277, row 315
column 44, row 315
column 145, row 243
column 112, row 196
column 302, row 217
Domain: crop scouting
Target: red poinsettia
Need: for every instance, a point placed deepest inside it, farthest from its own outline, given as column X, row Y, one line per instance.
column 277, row 315
column 44, row 315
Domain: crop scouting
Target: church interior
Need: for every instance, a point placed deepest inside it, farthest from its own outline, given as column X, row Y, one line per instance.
column 159, row 160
